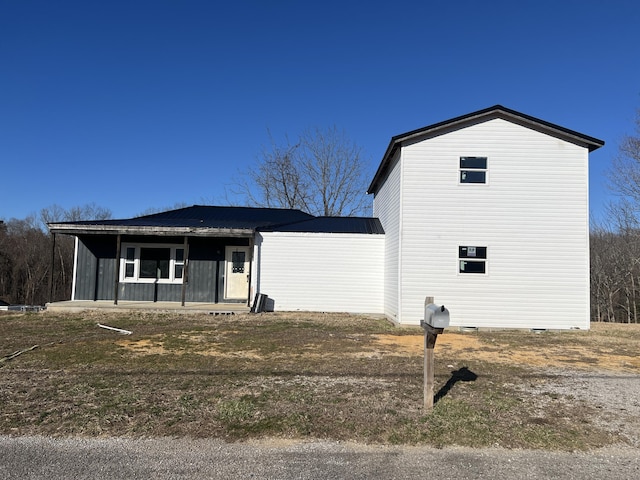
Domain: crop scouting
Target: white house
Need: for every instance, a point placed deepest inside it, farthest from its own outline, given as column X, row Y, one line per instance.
column 489, row 214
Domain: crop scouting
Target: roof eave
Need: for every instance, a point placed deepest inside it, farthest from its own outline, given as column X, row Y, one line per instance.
column 572, row 136
column 71, row 229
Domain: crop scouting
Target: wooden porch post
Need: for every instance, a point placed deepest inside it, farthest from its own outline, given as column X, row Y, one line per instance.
column 251, row 247
column 53, row 262
column 185, row 269
column 117, row 279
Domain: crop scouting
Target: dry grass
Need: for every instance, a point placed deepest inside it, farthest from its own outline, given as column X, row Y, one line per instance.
column 300, row 375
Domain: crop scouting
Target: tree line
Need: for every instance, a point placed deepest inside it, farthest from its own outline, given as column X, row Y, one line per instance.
column 29, row 255
column 615, row 242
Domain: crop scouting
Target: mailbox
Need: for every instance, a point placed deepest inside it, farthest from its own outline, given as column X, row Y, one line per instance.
column 436, row 316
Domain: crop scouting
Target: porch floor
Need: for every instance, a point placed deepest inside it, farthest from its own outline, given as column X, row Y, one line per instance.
column 166, row 307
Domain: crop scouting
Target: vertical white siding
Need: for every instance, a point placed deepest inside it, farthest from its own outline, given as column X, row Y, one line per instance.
column 532, row 215
column 386, row 206
column 75, row 268
column 321, row 272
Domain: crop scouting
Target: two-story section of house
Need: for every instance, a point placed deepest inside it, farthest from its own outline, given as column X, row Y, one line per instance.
column 489, row 214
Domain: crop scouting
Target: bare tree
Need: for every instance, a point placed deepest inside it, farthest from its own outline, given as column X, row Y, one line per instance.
column 26, row 255
column 624, row 176
column 24, row 258
column 323, row 173
column 152, row 210
column 615, row 246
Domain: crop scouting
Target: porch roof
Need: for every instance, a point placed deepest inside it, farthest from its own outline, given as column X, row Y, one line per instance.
column 197, row 220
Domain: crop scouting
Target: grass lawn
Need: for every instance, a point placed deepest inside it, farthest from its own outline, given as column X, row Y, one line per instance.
column 296, row 376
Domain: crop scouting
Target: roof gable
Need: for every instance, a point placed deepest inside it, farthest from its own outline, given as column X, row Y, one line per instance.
column 497, row 111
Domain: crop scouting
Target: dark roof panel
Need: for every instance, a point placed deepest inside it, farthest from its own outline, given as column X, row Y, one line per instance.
column 206, row 219
column 202, row 216
column 365, row 225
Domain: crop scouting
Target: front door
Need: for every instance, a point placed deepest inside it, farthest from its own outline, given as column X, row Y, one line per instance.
column 236, row 283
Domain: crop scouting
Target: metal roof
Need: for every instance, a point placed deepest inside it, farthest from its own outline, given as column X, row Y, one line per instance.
column 497, row 111
column 205, row 220
column 367, row 225
column 195, row 220
column 221, row 217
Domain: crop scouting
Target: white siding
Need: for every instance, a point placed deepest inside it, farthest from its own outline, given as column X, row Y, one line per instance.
column 320, row 271
column 532, row 216
column 386, row 206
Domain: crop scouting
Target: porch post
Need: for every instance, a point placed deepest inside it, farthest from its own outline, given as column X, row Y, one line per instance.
column 53, row 262
column 251, row 247
column 185, row 269
column 116, row 280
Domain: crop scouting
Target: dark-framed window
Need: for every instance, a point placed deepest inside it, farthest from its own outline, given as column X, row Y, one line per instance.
column 154, row 262
column 473, row 169
column 472, row 259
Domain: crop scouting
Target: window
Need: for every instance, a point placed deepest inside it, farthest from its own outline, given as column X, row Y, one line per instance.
column 472, row 259
column 473, row 169
column 178, row 267
column 237, row 260
column 147, row 263
column 130, row 262
column 154, row 262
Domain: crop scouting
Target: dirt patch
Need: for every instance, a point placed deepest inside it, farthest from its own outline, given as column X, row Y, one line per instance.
column 542, row 355
column 458, row 345
column 144, row 346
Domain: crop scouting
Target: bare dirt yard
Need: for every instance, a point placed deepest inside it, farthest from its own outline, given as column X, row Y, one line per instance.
column 294, row 376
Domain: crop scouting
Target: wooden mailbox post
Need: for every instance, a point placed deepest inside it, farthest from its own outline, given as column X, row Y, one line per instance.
column 436, row 318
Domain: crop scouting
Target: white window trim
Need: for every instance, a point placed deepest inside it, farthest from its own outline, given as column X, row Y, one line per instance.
column 485, row 170
column 136, row 263
column 467, row 259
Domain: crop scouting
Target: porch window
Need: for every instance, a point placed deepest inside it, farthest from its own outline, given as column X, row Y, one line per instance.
column 154, row 262
column 148, row 263
column 178, row 267
column 130, row 262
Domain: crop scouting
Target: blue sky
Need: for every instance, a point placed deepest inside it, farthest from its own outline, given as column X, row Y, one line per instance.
column 134, row 105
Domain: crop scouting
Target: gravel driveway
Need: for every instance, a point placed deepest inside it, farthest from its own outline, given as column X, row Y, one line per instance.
column 616, row 397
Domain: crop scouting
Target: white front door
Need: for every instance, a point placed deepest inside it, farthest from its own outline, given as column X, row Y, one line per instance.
column 236, row 283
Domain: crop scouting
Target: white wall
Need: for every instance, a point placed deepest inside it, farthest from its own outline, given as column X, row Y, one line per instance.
column 320, row 271
column 532, row 215
column 386, row 206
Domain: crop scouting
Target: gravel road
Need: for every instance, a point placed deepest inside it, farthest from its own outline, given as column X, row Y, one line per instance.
column 38, row 457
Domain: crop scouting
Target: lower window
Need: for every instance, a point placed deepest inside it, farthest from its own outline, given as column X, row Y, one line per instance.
column 472, row 259
column 152, row 263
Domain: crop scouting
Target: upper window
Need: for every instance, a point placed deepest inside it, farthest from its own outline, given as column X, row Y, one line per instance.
column 473, row 169
column 472, row 259
column 152, row 263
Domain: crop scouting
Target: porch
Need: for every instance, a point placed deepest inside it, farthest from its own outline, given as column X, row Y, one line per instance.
column 158, row 307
